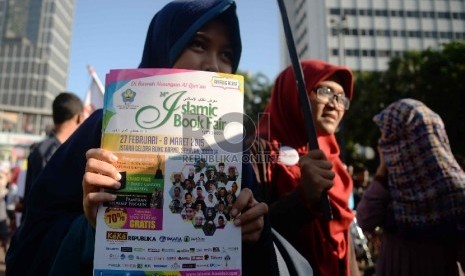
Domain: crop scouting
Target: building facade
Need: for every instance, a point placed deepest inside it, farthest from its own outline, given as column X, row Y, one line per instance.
column 365, row 34
column 35, row 39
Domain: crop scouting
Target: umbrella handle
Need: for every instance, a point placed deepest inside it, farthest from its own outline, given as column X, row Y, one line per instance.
column 303, row 100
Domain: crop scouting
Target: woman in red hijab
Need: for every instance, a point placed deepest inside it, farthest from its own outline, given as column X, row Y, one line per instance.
column 293, row 181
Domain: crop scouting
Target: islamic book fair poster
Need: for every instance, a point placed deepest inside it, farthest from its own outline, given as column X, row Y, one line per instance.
column 178, row 138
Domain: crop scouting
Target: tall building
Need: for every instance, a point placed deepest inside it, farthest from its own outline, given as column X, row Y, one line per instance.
column 365, row 34
column 35, row 39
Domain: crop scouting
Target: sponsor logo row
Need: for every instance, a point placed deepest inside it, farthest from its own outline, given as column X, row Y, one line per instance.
column 123, row 236
column 131, row 257
column 174, row 266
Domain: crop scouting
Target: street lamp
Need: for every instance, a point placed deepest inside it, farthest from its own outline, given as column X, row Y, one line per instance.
column 341, row 29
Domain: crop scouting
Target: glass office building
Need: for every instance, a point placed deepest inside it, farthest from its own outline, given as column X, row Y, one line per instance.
column 35, row 39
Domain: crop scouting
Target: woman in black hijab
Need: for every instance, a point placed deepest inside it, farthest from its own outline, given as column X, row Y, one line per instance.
column 57, row 235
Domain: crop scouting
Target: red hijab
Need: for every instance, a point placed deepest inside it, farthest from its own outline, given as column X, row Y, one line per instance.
column 323, row 243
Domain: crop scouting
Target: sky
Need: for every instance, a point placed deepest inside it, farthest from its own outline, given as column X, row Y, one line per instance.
column 110, row 34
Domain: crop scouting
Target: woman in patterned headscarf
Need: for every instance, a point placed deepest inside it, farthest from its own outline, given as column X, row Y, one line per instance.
column 417, row 196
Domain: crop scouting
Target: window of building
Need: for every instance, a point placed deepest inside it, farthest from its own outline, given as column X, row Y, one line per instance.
column 383, row 53
column 23, row 84
column 334, row 11
column 349, row 12
column 415, row 14
column 444, row 15
column 25, row 67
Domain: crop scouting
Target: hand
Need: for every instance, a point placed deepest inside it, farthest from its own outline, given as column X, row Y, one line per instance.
column 316, row 176
column 248, row 213
column 382, row 169
column 100, row 173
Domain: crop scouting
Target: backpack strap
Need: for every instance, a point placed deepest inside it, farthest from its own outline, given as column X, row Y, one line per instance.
column 290, row 261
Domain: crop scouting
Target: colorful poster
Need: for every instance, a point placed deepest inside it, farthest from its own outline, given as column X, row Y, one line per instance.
column 178, row 136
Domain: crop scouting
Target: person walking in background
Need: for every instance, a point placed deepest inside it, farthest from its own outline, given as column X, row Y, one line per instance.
column 67, row 113
column 417, row 195
column 12, row 198
column 4, row 229
column 293, row 186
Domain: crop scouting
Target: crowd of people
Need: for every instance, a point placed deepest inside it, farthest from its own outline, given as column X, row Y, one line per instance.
column 406, row 218
column 10, row 194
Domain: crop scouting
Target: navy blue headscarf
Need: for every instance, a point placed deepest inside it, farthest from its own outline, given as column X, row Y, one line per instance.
column 55, row 225
column 173, row 27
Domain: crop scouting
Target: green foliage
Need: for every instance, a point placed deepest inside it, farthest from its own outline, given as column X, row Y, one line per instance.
column 257, row 90
column 434, row 76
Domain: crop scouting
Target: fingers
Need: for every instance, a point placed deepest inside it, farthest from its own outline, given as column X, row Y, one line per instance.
column 93, row 182
column 101, row 154
column 253, row 222
column 100, row 174
column 101, row 161
column 316, row 162
column 249, row 214
column 91, row 203
column 242, row 201
column 316, row 175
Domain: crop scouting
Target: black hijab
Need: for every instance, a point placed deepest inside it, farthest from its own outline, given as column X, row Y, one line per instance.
column 172, row 28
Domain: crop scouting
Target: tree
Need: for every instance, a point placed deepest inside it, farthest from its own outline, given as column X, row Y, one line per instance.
column 257, row 90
